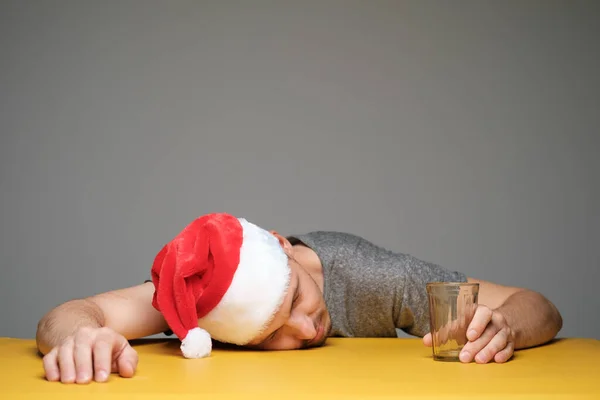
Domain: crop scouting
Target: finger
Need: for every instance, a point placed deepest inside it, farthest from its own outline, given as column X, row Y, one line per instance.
column 66, row 363
column 465, row 321
column 480, row 321
column 50, row 362
column 458, row 332
column 427, row 340
column 442, row 334
column 461, row 331
column 471, row 349
column 127, row 362
column 118, row 348
column 505, row 355
column 102, row 356
column 447, row 332
column 497, row 344
column 83, row 356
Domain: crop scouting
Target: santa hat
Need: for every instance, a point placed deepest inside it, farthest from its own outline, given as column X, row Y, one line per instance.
column 222, row 277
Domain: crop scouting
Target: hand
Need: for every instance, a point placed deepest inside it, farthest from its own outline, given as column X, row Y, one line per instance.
column 91, row 353
column 489, row 338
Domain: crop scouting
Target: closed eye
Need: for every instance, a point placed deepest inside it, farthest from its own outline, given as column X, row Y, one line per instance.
column 297, row 296
column 295, row 300
column 270, row 337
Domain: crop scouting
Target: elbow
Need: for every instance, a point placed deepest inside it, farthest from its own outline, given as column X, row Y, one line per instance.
column 556, row 319
column 552, row 322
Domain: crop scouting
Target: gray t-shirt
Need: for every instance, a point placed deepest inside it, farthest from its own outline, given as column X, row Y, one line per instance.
column 370, row 291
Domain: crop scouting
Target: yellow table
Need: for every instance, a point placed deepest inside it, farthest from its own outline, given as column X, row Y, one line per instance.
column 343, row 369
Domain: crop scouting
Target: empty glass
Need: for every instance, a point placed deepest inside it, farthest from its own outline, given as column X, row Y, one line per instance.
column 451, row 309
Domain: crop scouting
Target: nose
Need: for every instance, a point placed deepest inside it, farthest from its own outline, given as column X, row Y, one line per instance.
column 301, row 326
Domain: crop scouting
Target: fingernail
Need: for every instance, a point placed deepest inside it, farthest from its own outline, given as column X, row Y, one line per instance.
column 465, row 356
column 52, row 377
column 480, row 358
column 472, row 333
column 131, row 367
column 102, row 375
column 83, row 377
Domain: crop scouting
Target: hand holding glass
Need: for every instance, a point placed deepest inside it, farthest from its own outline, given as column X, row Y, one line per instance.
column 451, row 309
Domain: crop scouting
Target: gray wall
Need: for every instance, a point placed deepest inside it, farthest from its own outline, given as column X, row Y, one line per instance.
column 464, row 133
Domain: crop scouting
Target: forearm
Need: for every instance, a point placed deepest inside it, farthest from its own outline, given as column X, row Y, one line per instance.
column 533, row 319
column 64, row 320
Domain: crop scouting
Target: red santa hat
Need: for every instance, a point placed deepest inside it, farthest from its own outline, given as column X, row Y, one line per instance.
column 222, row 277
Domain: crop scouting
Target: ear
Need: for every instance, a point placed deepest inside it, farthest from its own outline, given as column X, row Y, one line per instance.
column 287, row 246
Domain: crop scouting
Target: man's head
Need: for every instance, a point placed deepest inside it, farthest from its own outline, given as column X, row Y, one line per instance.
column 227, row 279
column 302, row 321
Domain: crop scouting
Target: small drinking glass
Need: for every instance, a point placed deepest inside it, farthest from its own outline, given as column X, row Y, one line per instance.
column 451, row 309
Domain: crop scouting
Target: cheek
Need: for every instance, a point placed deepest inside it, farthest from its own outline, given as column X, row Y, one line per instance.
column 314, row 302
column 285, row 342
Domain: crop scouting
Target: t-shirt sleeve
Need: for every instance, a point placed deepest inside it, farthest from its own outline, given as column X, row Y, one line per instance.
column 413, row 314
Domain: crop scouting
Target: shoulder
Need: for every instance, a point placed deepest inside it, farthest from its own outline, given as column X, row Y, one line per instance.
column 330, row 246
column 343, row 243
column 323, row 238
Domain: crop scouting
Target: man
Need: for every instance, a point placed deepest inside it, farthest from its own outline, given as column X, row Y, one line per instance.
column 226, row 279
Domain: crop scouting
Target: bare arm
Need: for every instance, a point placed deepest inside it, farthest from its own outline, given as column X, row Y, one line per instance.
column 533, row 319
column 507, row 318
column 127, row 311
column 88, row 338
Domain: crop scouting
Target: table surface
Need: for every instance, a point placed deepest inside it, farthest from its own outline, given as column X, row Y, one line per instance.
column 343, row 368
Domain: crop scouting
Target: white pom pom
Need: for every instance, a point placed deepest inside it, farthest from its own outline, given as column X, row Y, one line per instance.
column 196, row 344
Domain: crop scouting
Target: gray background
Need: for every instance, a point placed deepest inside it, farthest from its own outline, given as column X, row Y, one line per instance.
column 465, row 133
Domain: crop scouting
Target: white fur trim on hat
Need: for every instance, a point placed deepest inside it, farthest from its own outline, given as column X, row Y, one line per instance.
column 196, row 344
column 256, row 291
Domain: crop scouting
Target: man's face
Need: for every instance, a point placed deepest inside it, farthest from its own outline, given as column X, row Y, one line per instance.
column 302, row 321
